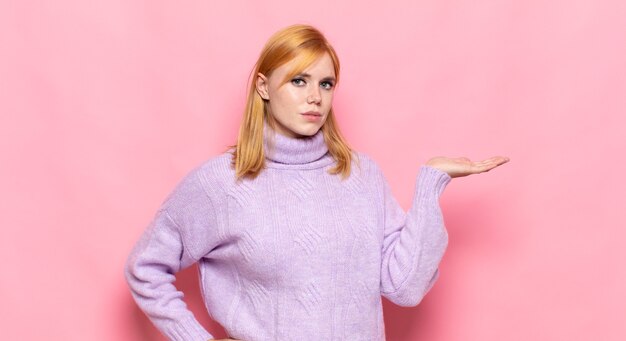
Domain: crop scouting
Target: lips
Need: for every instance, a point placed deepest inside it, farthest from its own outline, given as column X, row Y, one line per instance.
column 312, row 113
column 312, row 116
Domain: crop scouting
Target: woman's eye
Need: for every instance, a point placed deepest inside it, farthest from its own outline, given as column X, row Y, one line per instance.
column 300, row 81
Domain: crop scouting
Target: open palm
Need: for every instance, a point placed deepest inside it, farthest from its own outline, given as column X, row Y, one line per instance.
column 462, row 166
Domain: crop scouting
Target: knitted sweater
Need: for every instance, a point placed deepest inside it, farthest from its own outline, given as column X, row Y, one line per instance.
column 295, row 254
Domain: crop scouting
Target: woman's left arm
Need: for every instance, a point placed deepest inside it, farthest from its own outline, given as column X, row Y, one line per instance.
column 414, row 242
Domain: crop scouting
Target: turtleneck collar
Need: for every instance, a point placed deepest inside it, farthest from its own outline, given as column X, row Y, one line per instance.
column 288, row 150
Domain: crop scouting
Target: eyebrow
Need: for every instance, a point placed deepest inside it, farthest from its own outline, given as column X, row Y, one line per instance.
column 306, row 75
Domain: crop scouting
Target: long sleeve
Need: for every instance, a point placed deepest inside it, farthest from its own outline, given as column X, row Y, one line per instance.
column 174, row 240
column 414, row 242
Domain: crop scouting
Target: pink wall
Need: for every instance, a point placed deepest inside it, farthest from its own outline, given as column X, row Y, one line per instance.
column 104, row 106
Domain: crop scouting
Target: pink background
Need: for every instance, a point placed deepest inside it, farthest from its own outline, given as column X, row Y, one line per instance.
column 104, row 106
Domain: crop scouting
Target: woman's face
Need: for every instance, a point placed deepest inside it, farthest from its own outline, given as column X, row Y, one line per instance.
column 300, row 106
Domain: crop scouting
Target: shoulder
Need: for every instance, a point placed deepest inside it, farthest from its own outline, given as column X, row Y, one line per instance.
column 366, row 165
column 205, row 179
column 215, row 173
column 217, row 166
column 367, row 171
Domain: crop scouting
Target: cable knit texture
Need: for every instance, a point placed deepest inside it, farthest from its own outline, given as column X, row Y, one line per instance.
column 295, row 254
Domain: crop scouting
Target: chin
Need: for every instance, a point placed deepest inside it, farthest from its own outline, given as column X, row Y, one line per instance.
column 299, row 129
column 307, row 131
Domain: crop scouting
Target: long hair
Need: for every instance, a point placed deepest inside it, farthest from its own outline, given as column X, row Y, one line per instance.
column 307, row 43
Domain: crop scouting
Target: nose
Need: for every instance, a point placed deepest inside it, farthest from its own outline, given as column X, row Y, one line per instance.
column 314, row 96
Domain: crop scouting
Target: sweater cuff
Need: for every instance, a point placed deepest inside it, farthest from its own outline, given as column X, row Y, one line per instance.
column 186, row 329
column 431, row 179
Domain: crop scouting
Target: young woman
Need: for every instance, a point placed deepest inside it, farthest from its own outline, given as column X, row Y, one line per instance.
column 297, row 237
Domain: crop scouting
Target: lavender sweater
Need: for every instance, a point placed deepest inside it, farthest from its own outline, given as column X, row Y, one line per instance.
column 295, row 254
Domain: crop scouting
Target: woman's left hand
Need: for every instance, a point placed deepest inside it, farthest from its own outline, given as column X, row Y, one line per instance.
column 462, row 166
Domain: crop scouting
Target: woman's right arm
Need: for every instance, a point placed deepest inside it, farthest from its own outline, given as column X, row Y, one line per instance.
column 169, row 244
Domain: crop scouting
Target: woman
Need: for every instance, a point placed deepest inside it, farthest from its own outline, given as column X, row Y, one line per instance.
column 296, row 236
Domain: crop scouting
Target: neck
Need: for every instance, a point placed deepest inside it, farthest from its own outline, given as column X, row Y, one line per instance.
column 293, row 150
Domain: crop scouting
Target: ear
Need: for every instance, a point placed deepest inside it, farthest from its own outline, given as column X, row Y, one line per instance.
column 262, row 85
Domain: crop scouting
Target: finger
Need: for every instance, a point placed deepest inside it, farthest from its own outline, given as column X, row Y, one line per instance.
column 479, row 167
column 501, row 160
column 487, row 162
column 493, row 164
column 495, row 160
column 484, row 166
column 482, row 169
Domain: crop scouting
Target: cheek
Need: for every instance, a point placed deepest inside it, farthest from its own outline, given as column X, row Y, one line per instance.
column 293, row 96
column 285, row 98
column 329, row 98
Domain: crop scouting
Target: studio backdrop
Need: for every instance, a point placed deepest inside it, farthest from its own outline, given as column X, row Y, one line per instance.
column 106, row 105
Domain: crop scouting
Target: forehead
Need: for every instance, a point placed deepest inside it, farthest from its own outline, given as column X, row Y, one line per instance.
column 321, row 67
